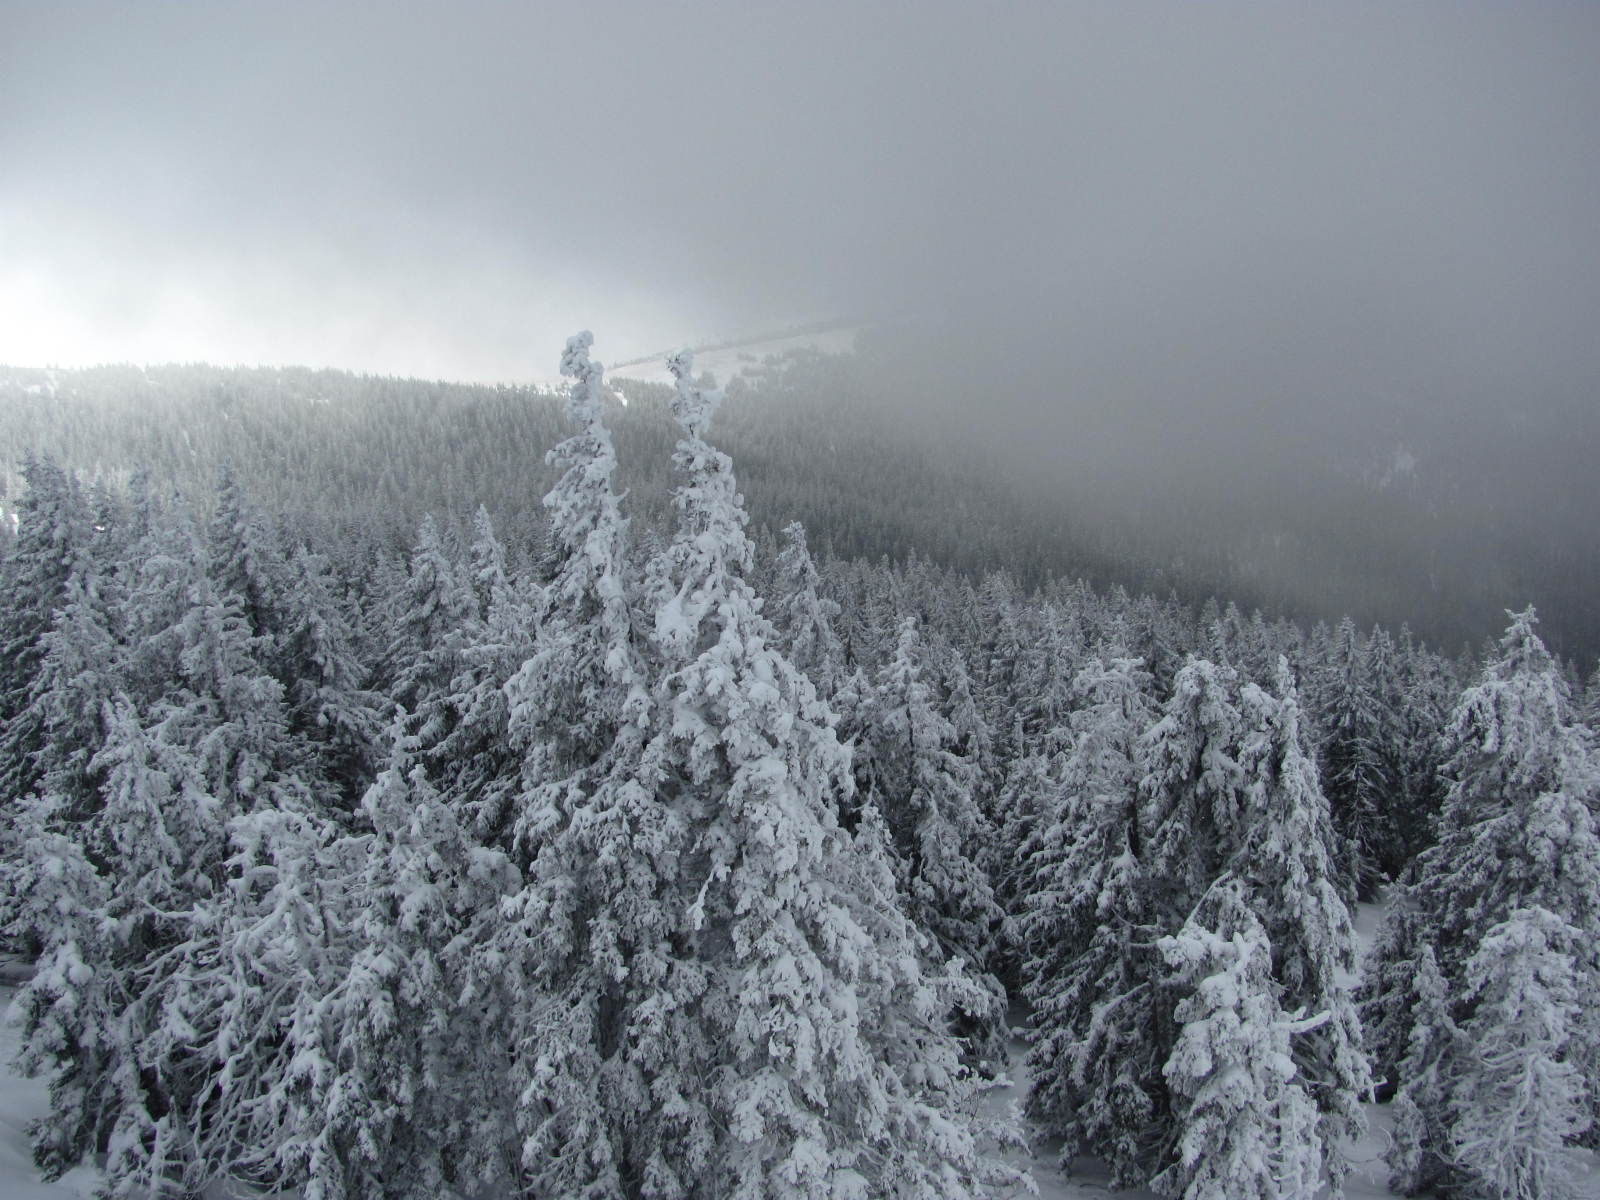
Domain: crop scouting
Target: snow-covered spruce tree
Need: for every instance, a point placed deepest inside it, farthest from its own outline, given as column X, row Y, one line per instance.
column 585, row 940
column 1422, row 1103
column 54, row 899
column 1228, row 802
column 791, row 1042
column 805, row 617
column 53, row 538
column 243, row 558
column 974, row 739
column 268, row 1107
column 135, row 868
column 1027, row 796
column 1002, row 651
column 924, row 791
column 215, row 748
column 155, row 588
column 390, row 1077
column 227, row 710
column 1192, row 808
column 1045, row 680
column 584, row 682
column 1082, row 851
column 329, row 706
column 434, row 615
column 1088, row 931
column 1286, row 863
column 63, row 726
column 488, row 560
column 1517, row 831
column 1246, row 1126
column 1520, row 1098
column 1108, row 1030
column 464, row 734
column 387, row 1071
column 1589, row 712
column 1427, row 692
column 477, row 763
column 1352, row 764
column 1384, row 675
column 1521, row 775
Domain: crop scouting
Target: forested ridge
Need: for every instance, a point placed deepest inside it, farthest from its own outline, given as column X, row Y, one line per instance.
column 593, row 844
column 878, row 453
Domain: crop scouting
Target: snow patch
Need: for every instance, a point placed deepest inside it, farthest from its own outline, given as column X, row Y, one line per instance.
column 727, row 362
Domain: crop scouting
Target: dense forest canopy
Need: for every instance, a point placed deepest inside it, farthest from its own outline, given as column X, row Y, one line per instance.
column 1104, row 693
column 669, row 860
column 1381, row 510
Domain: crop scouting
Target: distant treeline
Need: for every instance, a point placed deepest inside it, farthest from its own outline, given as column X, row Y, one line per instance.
column 833, row 442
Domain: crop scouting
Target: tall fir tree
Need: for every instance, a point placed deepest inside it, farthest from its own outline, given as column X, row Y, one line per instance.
column 1286, row 861
column 805, row 616
column 52, row 542
column 1521, row 1097
column 588, row 924
column 1352, row 763
column 1517, row 832
column 1087, row 932
column 1245, row 1124
column 787, row 1037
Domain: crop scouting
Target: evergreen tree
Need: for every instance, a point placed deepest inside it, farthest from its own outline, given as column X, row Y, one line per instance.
column 55, row 738
column 488, row 559
column 1427, row 693
column 1286, row 863
column 158, row 583
column 1517, row 833
column 1245, row 1123
column 139, row 867
column 1352, row 763
column 1422, row 1103
column 53, row 538
column 588, row 926
column 1519, row 1097
column 272, row 1110
column 434, row 616
column 1086, row 928
column 329, row 706
column 396, row 1061
column 243, row 560
column 786, row 1037
column 924, row 790
column 1081, row 856
column 584, row 684
column 1191, row 804
column 1590, row 712
column 478, row 764
column 974, row 740
column 1105, row 1023
column 805, row 617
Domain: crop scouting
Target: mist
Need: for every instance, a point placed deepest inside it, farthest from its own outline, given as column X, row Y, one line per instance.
column 1163, row 256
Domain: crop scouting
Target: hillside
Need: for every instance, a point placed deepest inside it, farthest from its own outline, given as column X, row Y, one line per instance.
column 1382, row 515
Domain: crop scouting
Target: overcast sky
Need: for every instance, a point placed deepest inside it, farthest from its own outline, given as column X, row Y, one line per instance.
column 448, row 190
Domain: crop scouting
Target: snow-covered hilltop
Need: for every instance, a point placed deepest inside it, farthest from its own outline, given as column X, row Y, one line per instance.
column 724, row 361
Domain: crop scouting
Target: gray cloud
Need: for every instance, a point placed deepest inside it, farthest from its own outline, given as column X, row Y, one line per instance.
column 1172, row 192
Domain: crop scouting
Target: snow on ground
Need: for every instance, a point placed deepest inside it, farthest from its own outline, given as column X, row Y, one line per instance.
column 21, row 1100
column 1088, row 1178
column 729, row 361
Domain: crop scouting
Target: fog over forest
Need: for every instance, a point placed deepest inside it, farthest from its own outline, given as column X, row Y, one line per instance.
column 1083, row 673
column 1184, row 264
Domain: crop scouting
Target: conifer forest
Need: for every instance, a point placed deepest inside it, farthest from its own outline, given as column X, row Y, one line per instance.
column 1081, row 677
column 643, row 855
